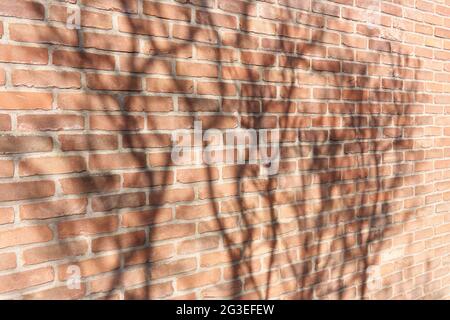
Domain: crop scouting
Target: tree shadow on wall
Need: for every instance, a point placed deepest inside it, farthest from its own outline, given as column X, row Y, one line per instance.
column 315, row 228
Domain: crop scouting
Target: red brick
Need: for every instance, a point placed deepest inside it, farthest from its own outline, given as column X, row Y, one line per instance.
column 169, row 122
column 162, row 47
column 167, row 11
column 83, row 60
column 6, row 215
column 279, row 76
column 240, row 73
column 261, row 91
column 8, row 261
column 121, row 241
column 54, row 252
column 196, row 175
column 218, row 191
column 443, row 33
column 251, row 106
column 45, row 79
column 87, row 18
column 216, row 19
column 196, row 69
column 172, row 268
column 110, row 43
column 295, row 92
column 217, row 225
column 22, row 9
column 23, row 54
column 84, row 101
column 16, row 100
column 144, row 65
column 216, row 88
column 294, row 32
column 50, row 122
column 258, row 26
column 194, row 33
column 239, row 40
column 155, row 291
column 218, row 122
column 129, row 6
column 355, row 42
column 90, row 184
column 150, row 140
column 6, row 168
column 296, row 4
column 147, row 179
column 172, row 231
column 2, row 77
column 124, row 200
column 117, row 161
column 293, row 62
column 78, row 142
column 391, row 9
column 186, row 212
column 59, row 293
column 196, row 245
column 113, row 82
column 42, row 34
column 287, row 46
column 26, row 190
column 198, row 280
column 197, row 104
column 143, row 26
column 91, row 267
column 237, row 6
column 158, row 197
column 150, row 254
column 326, row 65
column 380, row 45
column 116, row 122
column 146, row 217
column 52, row 209
column 261, row 59
column 89, row 178
column 148, row 103
column 216, row 54
column 170, row 85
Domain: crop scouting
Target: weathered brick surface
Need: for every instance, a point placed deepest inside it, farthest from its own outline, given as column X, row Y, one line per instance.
column 360, row 91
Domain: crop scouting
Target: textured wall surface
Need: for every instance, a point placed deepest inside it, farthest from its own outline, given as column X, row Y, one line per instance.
column 91, row 91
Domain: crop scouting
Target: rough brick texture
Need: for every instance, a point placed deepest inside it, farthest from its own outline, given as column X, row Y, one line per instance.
column 360, row 91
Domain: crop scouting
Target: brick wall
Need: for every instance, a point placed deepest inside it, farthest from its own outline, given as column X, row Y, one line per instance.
column 358, row 90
